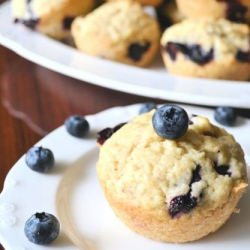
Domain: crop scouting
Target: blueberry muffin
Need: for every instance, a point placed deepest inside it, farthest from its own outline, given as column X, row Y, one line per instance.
column 145, row 2
column 161, row 187
column 52, row 18
column 168, row 14
column 233, row 10
column 208, row 48
column 119, row 31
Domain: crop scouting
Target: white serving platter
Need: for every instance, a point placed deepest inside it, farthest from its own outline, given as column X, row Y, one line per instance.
column 152, row 82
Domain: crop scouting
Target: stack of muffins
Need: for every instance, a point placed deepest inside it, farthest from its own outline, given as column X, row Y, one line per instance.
column 202, row 38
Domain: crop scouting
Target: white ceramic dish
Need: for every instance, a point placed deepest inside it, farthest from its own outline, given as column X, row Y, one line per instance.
column 71, row 192
column 153, row 82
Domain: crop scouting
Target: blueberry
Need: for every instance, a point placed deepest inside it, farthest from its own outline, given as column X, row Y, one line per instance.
column 198, row 55
column 235, row 10
column 243, row 56
column 118, row 126
column 193, row 51
column 195, row 175
column 182, row 204
column 42, row 228
column 170, row 121
column 225, row 116
column 77, row 125
column 33, row 21
column 222, row 169
column 186, row 202
column 30, row 23
column 40, row 159
column 106, row 133
column 146, row 107
column 103, row 135
column 136, row 50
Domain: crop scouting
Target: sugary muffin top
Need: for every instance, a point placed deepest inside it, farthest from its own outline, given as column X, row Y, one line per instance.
column 117, row 23
column 37, row 8
column 224, row 37
column 202, row 167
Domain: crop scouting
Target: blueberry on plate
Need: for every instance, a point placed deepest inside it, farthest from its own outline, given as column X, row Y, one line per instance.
column 147, row 107
column 77, row 125
column 225, row 116
column 40, row 159
column 170, row 121
column 42, row 228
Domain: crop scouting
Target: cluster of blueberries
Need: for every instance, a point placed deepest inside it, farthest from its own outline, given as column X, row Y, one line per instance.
column 169, row 121
column 43, row 228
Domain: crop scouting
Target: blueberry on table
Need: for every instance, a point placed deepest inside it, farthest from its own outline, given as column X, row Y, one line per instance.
column 147, row 107
column 77, row 126
column 170, row 121
column 225, row 116
column 40, row 159
column 42, row 228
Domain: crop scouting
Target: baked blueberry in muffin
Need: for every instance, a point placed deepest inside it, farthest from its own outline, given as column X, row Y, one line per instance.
column 118, row 30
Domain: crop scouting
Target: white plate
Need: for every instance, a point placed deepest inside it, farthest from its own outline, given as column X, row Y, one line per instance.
column 154, row 82
column 71, row 192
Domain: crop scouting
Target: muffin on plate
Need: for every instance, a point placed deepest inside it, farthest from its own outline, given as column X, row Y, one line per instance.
column 119, row 31
column 178, row 189
column 144, row 2
column 52, row 18
column 207, row 48
column 233, row 10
